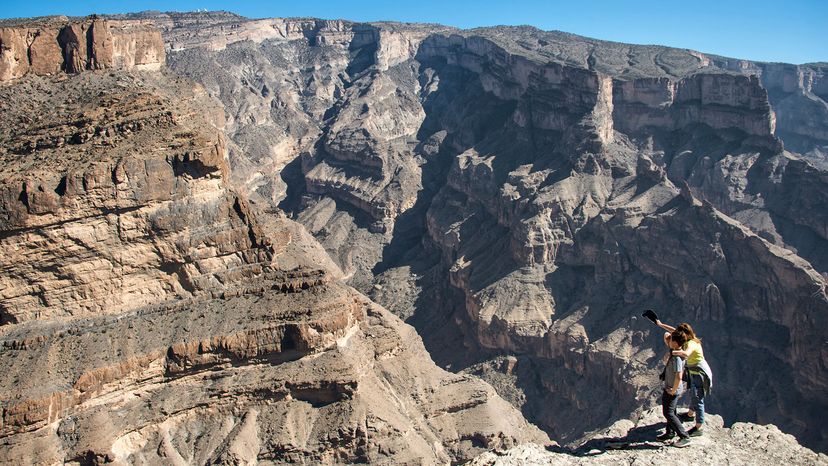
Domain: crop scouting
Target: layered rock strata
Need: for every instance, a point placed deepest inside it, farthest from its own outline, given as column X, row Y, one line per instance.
column 152, row 314
column 799, row 94
column 320, row 375
column 56, row 44
column 111, row 201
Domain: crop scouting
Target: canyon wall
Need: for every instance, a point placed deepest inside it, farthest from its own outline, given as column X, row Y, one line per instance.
column 56, row 44
column 799, row 94
column 91, row 228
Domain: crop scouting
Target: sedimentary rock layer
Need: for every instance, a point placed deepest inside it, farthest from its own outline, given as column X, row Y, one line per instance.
column 56, row 44
column 321, row 375
column 116, row 200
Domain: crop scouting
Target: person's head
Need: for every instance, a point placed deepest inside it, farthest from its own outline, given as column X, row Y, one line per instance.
column 688, row 330
column 677, row 339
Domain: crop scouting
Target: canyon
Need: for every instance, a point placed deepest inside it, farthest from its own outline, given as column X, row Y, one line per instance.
column 151, row 314
column 301, row 240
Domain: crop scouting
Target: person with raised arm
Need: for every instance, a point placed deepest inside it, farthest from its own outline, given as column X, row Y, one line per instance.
column 673, row 388
column 701, row 376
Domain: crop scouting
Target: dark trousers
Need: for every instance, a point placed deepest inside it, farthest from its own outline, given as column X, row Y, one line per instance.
column 668, row 407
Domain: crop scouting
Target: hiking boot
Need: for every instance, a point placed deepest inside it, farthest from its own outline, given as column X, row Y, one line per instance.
column 695, row 431
column 665, row 436
column 684, row 442
column 687, row 416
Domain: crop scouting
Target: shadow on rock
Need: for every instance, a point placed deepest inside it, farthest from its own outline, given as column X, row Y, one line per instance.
column 639, row 438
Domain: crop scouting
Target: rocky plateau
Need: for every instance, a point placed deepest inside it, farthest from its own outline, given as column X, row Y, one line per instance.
column 227, row 240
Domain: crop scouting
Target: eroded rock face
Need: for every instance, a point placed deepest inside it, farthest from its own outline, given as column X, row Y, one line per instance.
column 113, row 201
column 798, row 94
column 535, row 190
column 152, row 314
column 320, row 375
column 57, row 44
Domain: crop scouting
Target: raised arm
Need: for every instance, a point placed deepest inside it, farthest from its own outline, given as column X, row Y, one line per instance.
column 667, row 339
column 665, row 326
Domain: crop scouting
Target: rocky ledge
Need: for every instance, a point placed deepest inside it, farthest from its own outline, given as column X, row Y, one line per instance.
column 631, row 442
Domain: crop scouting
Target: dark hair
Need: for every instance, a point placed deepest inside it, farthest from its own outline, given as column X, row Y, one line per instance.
column 679, row 336
column 688, row 331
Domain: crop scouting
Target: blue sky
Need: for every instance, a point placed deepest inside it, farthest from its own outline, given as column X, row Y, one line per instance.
column 793, row 31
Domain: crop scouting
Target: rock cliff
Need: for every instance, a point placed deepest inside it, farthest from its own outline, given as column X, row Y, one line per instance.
column 57, row 44
column 510, row 190
column 799, row 94
column 150, row 313
column 89, row 225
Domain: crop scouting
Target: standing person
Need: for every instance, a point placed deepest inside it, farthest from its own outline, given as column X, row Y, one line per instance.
column 701, row 376
column 673, row 388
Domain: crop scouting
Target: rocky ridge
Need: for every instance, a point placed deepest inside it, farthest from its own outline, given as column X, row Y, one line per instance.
column 558, row 185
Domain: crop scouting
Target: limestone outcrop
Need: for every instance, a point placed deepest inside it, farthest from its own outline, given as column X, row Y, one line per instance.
column 57, row 44
column 717, row 100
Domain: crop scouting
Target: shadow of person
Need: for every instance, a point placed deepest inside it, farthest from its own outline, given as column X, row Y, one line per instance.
column 638, row 438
